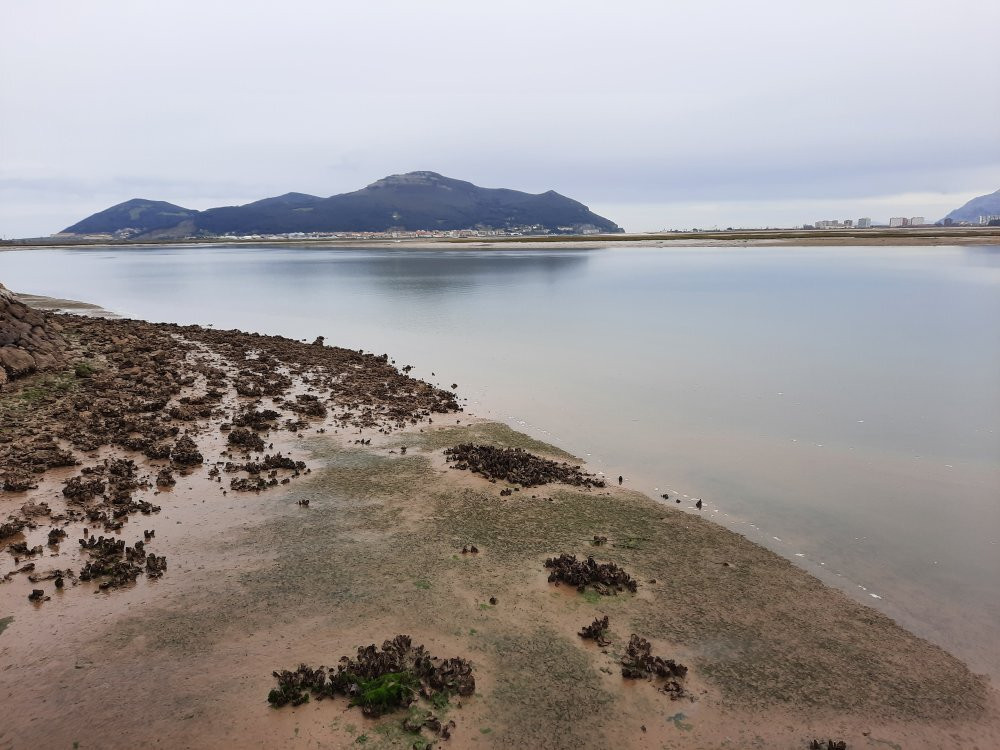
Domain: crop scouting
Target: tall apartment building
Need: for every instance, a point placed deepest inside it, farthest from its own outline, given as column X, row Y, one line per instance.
column 899, row 221
column 917, row 221
column 864, row 223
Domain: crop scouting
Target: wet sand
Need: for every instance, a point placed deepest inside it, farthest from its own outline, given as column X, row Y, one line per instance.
column 258, row 582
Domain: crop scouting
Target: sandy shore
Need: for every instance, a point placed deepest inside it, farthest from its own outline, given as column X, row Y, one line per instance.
column 752, row 238
column 259, row 581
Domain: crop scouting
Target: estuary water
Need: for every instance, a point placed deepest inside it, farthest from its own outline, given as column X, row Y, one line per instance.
column 838, row 405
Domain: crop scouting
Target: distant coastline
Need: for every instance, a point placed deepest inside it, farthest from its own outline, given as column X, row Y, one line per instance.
column 762, row 237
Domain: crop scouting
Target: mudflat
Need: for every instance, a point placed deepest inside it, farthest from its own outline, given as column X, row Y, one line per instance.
column 304, row 506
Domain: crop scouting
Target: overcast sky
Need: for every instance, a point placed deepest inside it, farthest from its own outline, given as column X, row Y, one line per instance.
column 655, row 114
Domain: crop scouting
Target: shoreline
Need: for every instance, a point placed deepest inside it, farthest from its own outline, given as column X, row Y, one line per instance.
column 778, row 654
column 931, row 236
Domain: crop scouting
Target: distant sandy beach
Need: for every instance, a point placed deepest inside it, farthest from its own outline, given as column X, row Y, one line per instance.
column 756, row 238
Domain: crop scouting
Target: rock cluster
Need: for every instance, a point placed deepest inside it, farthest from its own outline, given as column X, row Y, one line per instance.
column 246, row 439
column 639, row 662
column 378, row 680
column 115, row 565
column 604, row 578
column 29, row 339
column 597, row 631
column 104, row 493
column 126, row 387
column 516, row 466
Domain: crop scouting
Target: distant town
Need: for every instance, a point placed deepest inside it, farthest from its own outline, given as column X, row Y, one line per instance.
column 534, row 230
column 865, row 222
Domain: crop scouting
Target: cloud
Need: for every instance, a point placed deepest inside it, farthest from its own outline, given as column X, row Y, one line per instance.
column 639, row 104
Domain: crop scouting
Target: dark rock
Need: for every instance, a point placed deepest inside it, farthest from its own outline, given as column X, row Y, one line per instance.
column 378, row 680
column 165, row 477
column 516, row 466
column 638, row 662
column 246, row 439
column 604, row 578
column 185, row 452
column 597, row 631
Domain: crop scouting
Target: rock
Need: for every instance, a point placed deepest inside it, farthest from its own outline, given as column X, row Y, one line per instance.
column 17, row 481
column 165, row 477
column 16, row 361
column 185, row 452
column 10, row 528
column 516, row 466
column 597, row 631
column 638, row 662
column 604, row 578
column 28, row 340
column 246, row 439
column 393, row 675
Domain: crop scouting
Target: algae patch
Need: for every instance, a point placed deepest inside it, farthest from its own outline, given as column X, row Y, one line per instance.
column 4, row 622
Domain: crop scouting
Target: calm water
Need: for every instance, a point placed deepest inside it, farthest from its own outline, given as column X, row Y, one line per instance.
column 840, row 405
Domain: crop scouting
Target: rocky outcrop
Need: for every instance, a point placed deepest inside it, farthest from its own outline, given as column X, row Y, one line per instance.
column 29, row 339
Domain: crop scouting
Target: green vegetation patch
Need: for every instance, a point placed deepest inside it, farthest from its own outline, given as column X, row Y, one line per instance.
column 40, row 389
column 85, row 369
column 4, row 622
column 386, row 692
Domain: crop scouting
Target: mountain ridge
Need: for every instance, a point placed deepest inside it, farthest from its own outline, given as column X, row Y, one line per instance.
column 982, row 205
column 410, row 201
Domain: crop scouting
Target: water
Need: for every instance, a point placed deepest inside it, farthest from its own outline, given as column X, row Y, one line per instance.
column 839, row 405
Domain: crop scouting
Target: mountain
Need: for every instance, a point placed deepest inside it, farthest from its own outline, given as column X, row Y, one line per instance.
column 412, row 201
column 138, row 213
column 984, row 205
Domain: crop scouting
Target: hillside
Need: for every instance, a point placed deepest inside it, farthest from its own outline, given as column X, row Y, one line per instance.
column 412, row 201
column 984, row 205
column 138, row 213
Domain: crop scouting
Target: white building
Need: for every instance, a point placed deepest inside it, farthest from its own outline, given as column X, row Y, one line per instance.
column 865, row 223
column 899, row 221
column 917, row 221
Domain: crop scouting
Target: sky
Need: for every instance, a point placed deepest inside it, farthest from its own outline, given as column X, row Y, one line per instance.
column 658, row 115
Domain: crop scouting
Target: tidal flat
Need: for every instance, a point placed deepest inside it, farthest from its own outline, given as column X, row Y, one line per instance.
column 365, row 541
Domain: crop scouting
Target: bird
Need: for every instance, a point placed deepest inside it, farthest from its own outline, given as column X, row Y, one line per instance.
column 698, row 505
column 620, row 479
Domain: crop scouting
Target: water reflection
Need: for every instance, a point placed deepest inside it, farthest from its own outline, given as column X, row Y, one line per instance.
column 844, row 401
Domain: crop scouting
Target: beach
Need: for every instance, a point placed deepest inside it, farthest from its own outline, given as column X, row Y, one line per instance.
column 873, row 237
column 364, row 541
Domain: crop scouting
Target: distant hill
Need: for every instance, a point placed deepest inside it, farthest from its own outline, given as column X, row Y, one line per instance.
column 138, row 213
column 984, row 205
column 412, row 201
